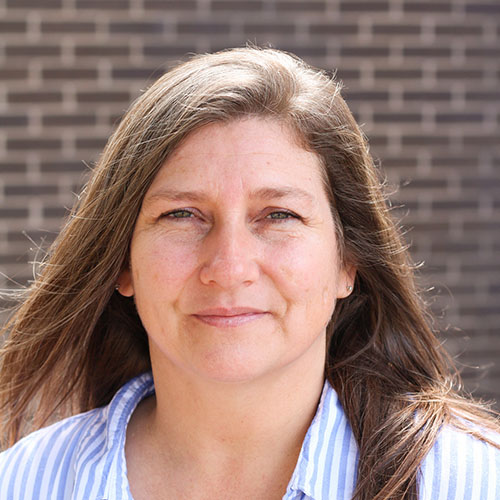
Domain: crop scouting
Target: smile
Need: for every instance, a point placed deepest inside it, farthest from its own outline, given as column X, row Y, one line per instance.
column 230, row 319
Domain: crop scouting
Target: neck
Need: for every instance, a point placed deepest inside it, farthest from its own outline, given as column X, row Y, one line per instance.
column 204, row 421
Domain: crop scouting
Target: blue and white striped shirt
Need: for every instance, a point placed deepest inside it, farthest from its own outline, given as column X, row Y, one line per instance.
column 83, row 458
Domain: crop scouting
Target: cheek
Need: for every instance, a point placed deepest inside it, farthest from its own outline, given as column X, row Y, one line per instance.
column 162, row 266
column 307, row 272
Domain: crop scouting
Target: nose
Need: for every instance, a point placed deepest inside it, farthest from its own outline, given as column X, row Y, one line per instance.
column 229, row 257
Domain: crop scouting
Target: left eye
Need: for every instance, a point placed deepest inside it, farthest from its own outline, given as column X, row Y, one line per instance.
column 281, row 215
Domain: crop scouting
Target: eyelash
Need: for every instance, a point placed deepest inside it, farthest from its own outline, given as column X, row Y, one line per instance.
column 289, row 215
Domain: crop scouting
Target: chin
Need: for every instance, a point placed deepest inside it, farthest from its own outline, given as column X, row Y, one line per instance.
column 234, row 369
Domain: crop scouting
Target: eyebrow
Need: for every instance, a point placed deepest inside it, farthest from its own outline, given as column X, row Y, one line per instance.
column 282, row 192
column 175, row 195
column 264, row 193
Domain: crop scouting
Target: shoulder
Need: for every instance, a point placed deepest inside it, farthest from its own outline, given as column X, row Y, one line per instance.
column 81, row 455
column 461, row 467
column 42, row 464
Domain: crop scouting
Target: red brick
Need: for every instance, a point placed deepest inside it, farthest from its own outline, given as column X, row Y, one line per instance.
column 60, row 166
column 493, row 52
column 12, row 167
column 397, row 117
column 12, row 27
column 425, row 140
column 333, row 29
column 128, row 73
column 455, row 204
column 30, row 50
column 427, row 51
column 137, row 28
column 13, row 213
column 237, row 5
column 104, row 96
column 307, row 51
column 55, row 212
column 71, row 120
column 454, row 247
column 102, row 50
column 30, row 4
column 295, row 6
column 427, row 95
column 203, row 28
column 364, row 51
column 268, row 28
column 103, row 4
column 13, row 73
column 398, row 74
column 69, row 74
column 167, row 51
column 38, row 144
column 172, row 5
column 35, row 96
column 367, row 96
column 13, row 120
column 486, row 184
column 70, row 27
column 483, row 95
column 364, row 7
column 400, row 161
column 469, row 141
column 96, row 143
column 29, row 190
column 482, row 7
column 459, row 74
column 347, row 74
column 396, row 29
column 459, row 30
column 453, row 161
column 31, row 235
column 459, row 118
column 426, row 6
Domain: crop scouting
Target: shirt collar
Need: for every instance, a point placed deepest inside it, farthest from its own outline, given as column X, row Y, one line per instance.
column 106, row 444
column 327, row 463
column 123, row 404
column 326, row 467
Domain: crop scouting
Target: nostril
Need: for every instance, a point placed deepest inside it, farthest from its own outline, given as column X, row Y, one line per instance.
column 228, row 273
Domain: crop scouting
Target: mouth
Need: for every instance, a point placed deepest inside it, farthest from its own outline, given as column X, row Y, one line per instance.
column 222, row 317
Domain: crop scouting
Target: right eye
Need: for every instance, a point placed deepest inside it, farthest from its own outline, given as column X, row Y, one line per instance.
column 178, row 214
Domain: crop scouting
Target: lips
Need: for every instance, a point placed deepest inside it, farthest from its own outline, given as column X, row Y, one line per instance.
column 229, row 317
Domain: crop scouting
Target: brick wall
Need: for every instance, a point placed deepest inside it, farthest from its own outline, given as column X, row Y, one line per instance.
column 422, row 76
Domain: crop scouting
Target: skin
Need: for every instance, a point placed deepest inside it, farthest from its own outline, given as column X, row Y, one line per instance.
column 235, row 273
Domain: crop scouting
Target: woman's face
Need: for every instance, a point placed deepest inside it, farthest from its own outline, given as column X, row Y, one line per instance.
column 233, row 260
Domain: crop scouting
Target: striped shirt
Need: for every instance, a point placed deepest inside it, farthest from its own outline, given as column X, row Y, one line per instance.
column 83, row 458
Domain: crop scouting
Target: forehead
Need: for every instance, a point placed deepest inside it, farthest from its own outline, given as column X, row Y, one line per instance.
column 253, row 152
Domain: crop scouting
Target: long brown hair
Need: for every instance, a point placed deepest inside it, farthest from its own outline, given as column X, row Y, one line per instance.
column 73, row 341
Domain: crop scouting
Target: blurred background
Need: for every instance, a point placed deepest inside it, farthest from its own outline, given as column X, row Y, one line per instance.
column 422, row 77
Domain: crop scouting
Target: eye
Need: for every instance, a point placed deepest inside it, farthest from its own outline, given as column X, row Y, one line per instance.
column 179, row 214
column 281, row 215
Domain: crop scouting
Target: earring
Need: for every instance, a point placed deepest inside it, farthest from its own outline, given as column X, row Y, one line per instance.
column 349, row 288
column 117, row 286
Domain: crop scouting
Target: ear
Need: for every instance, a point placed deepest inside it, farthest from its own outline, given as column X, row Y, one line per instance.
column 345, row 280
column 125, row 283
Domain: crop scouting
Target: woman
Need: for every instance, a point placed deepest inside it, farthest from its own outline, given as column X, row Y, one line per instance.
column 235, row 241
